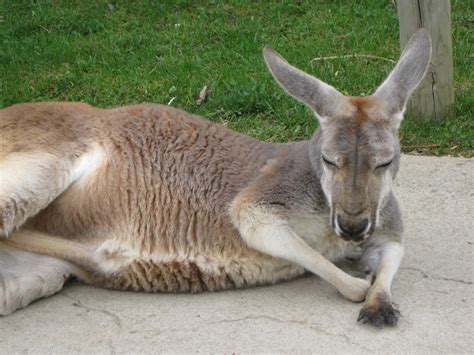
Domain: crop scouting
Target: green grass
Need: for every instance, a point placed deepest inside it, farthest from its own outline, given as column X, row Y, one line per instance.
column 123, row 52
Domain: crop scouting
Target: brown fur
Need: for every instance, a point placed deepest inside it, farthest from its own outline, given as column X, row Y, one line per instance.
column 163, row 203
column 364, row 106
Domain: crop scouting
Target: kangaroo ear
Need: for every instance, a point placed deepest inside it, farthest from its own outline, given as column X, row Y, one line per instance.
column 322, row 98
column 407, row 74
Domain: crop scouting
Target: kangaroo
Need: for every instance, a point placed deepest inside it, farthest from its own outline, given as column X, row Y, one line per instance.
column 151, row 198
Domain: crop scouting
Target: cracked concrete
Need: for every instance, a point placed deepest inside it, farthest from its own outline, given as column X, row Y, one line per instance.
column 78, row 303
column 433, row 290
column 425, row 275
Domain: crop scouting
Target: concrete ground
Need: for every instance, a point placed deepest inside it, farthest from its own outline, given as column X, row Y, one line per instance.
column 434, row 291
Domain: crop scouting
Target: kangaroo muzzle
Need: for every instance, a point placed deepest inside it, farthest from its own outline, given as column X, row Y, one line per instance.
column 354, row 228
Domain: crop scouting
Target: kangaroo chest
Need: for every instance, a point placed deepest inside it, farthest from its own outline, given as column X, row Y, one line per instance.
column 315, row 230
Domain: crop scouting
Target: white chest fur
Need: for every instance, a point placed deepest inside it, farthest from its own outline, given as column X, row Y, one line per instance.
column 315, row 230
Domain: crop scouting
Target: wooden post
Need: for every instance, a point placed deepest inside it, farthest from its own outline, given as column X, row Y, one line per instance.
column 434, row 98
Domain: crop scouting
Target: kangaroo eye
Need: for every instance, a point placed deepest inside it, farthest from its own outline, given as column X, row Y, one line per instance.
column 384, row 165
column 328, row 162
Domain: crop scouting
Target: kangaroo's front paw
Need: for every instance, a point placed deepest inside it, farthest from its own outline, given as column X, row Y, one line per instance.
column 379, row 311
column 356, row 290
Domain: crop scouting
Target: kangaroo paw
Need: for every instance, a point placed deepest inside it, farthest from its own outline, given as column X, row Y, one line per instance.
column 379, row 311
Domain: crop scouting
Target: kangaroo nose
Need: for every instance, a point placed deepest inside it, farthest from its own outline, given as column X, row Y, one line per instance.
column 352, row 230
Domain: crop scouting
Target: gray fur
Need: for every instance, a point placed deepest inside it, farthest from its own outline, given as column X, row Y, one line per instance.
column 322, row 98
column 407, row 74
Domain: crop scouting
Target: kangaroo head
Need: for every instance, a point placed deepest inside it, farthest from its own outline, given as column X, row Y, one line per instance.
column 356, row 151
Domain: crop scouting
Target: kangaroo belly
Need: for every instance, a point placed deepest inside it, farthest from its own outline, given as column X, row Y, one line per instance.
column 199, row 274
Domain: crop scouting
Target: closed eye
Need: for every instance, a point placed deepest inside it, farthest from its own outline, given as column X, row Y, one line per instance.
column 328, row 162
column 384, row 165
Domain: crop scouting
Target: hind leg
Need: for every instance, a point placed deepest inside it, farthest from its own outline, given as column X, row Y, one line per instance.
column 26, row 277
column 31, row 180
